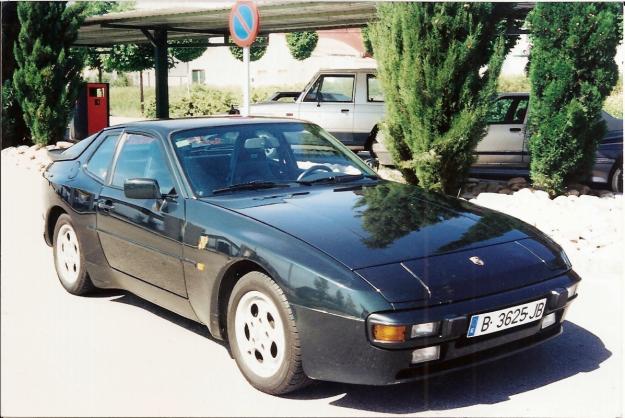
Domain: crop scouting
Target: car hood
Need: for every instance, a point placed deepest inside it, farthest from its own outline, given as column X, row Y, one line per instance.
column 273, row 108
column 408, row 243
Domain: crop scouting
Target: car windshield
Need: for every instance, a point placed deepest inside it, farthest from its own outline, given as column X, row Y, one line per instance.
column 263, row 155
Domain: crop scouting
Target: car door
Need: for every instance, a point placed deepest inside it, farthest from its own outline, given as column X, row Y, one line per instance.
column 330, row 104
column 505, row 141
column 143, row 238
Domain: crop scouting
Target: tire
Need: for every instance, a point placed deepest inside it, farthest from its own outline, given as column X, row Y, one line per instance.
column 616, row 177
column 263, row 336
column 69, row 260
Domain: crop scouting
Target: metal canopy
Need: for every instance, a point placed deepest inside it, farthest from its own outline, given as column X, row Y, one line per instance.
column 276, row 16
column 159, row 26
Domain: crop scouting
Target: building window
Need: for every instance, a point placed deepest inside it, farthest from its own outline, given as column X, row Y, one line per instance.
column 197, row 76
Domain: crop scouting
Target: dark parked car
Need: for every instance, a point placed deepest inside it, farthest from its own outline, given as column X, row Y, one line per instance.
column 504, row 149
column 286, row 245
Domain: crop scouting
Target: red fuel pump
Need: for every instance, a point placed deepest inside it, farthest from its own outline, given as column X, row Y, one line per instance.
column 91, row 113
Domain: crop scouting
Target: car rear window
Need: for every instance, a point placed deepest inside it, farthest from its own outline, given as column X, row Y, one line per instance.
column 77, row 149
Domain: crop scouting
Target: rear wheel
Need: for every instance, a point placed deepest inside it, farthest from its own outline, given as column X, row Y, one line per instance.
column 68, row 258
column 263, row 336
column 616, row 178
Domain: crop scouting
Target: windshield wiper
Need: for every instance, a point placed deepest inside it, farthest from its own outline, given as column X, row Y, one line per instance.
column 252, row 185
column 343, row 178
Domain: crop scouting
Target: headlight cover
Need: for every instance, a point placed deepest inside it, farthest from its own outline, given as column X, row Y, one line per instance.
column 572, row 289
column 427, row 329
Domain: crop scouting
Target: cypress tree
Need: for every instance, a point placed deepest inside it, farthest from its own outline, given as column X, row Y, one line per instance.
column 572, row 71
column 47, row 77
column 438, row 64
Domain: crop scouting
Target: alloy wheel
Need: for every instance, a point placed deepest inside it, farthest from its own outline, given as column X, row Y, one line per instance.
column 68, row 254
column 259, row 333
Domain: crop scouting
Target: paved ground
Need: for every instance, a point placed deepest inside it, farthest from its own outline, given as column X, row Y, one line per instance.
column 114, row 354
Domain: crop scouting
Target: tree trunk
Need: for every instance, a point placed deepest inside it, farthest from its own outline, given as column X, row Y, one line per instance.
column 99, row 74
column 141, row 91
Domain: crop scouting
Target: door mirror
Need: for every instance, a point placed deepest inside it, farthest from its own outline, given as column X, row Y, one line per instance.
column 142, row 189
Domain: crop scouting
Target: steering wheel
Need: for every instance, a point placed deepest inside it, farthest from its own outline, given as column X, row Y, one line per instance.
column 312, row 169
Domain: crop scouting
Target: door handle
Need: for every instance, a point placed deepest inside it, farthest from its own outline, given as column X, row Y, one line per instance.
column 515, row 129
column 344, row 110
column 105, row 205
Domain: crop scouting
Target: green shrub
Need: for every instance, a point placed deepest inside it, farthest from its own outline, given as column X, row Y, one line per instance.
column 572, row 71
column 14, row 131
column 125, row 100
column 301, row 44
column 203, row 101
column 431, row 59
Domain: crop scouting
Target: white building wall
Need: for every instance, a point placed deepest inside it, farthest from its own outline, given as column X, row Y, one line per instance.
column 278, row 68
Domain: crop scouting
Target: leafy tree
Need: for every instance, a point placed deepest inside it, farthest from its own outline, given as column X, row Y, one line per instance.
column 95, row 58
column 301, row 44
column 438, row 64
column 572, row 71
column 14, row 130
column 184, row 53
column 140, row 57
column 257, row 50
column 47, row 77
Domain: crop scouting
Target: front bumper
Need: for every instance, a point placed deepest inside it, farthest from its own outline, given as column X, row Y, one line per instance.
column 337, row 348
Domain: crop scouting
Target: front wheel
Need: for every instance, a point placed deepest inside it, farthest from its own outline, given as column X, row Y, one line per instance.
column 263, row 336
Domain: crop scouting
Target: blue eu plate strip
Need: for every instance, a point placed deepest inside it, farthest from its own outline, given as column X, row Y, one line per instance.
column 473, row 325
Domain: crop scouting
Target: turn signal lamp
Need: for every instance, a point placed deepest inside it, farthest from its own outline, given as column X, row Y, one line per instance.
column 389, row 333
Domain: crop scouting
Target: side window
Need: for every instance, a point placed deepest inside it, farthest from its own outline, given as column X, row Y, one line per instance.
column 374, row 89
column 311, row 96
column 332, row 88
column 142, row 157
column 521, row 110
column 100, row 161
column 500, row 111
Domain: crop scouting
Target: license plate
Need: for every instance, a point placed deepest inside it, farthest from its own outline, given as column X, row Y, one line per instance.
column 489, row 322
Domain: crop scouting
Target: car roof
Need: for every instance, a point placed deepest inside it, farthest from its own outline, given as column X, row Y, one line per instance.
column 348, row 70
column 165, row 126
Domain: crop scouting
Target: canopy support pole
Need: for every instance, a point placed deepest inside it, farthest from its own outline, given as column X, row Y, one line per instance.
column 161, row 73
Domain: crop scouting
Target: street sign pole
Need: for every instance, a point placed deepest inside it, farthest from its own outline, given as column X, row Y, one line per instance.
column 246, row 82
column 244, row 24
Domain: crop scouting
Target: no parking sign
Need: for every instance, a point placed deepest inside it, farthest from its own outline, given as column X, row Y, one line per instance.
column 244, row 23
